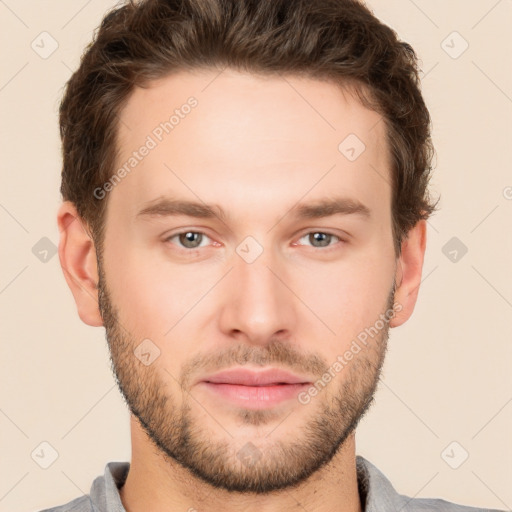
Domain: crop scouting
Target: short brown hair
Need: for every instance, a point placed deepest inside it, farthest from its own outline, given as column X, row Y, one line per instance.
column 336, row 40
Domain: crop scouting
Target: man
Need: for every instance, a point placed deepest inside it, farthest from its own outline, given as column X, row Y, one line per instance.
column 245, row 204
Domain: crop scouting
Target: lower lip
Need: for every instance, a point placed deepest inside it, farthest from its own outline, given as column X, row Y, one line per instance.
column 256, row 397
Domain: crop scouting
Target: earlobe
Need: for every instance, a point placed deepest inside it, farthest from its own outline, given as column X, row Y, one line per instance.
column 77, row 255
column 408, row 273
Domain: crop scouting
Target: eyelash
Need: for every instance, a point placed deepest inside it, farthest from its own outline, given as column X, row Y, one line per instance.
column 324, row 249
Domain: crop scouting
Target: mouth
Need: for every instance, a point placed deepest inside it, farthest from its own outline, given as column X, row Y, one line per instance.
column 255, row 389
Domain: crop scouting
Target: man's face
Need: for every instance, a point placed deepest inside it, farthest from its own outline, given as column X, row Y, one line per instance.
column 259, row 286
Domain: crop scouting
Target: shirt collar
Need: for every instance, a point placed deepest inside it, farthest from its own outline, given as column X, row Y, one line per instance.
column 376, row 491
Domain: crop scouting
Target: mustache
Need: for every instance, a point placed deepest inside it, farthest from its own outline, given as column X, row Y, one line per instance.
column 276, row 352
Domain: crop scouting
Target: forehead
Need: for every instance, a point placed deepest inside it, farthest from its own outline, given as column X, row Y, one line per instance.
column 229, row 136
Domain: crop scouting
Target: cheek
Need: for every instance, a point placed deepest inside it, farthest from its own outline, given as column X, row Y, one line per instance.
column 348, row 297
column 158, row 299
column 152, row 303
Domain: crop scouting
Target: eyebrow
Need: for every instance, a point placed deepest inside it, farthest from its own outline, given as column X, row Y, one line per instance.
column 165, row 207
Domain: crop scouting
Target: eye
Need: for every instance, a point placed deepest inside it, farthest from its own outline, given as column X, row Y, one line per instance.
column 320, row 239
column 188, row 239
column 194, row 239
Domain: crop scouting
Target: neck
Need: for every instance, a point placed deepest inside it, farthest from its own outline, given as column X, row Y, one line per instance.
column 157, row 484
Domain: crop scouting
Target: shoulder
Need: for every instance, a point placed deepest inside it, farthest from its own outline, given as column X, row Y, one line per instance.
column 104, row 493
column 81, row 504
column 379, row 495
column 430, row 504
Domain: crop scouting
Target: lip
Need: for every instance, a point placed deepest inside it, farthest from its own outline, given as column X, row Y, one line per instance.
column 254, row 389
column 245, row 377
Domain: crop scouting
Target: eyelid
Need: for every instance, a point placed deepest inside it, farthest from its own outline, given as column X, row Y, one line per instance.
column 340, row 233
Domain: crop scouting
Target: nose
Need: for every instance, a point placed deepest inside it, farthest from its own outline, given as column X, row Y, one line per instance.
column 258, row 303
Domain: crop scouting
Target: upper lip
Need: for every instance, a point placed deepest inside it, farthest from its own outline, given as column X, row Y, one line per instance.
column 245, row 377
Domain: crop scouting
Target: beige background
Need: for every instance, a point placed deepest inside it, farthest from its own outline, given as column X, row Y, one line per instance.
column 447, row 376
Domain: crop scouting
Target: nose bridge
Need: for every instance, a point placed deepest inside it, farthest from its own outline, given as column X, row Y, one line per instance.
column 257, row 302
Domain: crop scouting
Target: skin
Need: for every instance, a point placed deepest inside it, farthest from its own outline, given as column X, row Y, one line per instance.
column 256, row 148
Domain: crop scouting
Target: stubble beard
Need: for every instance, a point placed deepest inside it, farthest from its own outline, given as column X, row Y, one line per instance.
column 182, row 430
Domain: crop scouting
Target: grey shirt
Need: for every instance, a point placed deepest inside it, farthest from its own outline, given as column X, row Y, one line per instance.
column 375, row 490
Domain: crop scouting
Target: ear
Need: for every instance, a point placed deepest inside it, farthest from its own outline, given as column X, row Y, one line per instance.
column 408, row 273
column 77, row 255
